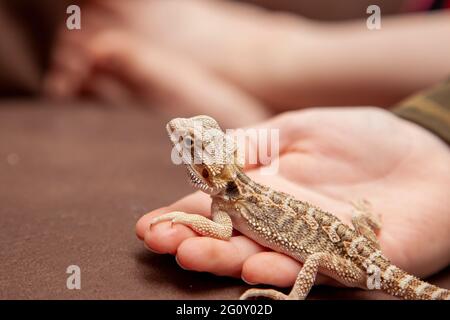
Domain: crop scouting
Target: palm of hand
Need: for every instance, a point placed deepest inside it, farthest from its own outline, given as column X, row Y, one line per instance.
column 330, row 157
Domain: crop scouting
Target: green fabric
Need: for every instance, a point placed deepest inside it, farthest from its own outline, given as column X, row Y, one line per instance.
column 429, row 109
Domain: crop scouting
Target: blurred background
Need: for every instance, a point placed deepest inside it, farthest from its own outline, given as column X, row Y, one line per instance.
column 35, row 43
column 29, row 29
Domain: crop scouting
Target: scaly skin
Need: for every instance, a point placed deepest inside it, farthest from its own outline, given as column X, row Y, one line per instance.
column 276, row 220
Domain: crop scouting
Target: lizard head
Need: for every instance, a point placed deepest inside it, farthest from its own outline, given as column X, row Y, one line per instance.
column 209, row 155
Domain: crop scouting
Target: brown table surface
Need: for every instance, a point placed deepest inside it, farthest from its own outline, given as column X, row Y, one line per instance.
column 74, row 179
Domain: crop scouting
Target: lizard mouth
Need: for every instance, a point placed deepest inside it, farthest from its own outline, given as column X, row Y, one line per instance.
column 197, row 182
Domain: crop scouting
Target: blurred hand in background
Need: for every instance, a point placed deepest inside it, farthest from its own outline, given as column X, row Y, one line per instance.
column 240, row 63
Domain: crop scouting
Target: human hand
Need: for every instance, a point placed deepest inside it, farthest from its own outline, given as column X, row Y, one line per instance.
column 200, row 53
column 330, row 157
column 213, row 57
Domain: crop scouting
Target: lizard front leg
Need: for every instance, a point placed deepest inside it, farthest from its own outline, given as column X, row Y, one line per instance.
column 220, row 227
column 342, row 270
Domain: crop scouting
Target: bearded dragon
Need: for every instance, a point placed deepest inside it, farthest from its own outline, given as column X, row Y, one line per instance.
column 316, row 238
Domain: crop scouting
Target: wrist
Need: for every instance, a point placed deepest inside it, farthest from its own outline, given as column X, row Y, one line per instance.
column 289, row 62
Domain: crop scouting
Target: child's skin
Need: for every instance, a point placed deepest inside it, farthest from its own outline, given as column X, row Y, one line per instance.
column 213, row 55
column 241, row 64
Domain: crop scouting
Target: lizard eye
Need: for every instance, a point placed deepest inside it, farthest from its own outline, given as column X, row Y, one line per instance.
column 188, row 141
column 205, row 173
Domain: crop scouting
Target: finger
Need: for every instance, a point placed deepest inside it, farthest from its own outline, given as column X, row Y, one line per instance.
column 109, row 90
column 165, row 237
column 69, row 63
column 275, row 269
column 70, row 60
column 270, row 268
column 216, row 256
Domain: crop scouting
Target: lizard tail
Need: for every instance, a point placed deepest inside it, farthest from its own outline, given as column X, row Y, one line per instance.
column 401, row 284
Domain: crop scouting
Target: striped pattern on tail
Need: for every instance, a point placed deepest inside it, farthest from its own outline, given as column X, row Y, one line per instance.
column 403, row 285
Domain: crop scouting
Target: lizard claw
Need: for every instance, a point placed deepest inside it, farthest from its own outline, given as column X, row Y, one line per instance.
column 164, row 217
column 173, row 217
column 252, row 294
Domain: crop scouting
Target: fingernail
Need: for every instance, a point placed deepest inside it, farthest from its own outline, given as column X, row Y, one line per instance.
column 150, row 249
column 60, row 88
column 178, row 262
column 248, row 282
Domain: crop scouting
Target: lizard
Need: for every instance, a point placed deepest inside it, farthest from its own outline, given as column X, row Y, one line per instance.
column 276, row 220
